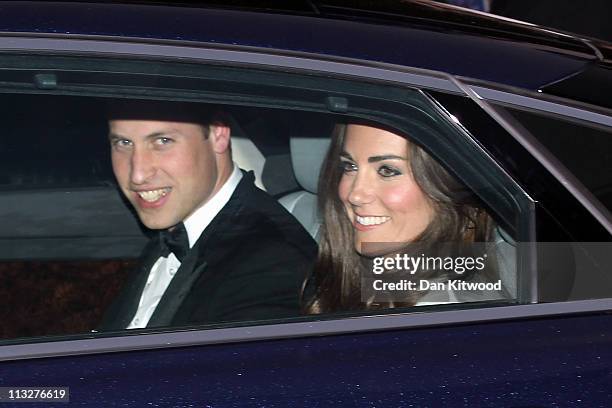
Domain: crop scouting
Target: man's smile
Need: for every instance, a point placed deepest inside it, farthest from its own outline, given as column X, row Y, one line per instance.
column 151, row 196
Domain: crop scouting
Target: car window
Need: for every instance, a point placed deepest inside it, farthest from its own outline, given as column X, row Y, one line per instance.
column 74, row 238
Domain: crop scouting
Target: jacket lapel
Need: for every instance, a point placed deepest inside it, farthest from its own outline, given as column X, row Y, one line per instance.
column 177, row 291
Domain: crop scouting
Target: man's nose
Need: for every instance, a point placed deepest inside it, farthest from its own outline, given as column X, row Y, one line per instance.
column 142, row 166
column 361, row 191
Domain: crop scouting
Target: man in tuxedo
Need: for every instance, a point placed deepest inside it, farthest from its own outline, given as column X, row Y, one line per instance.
column 222, row 250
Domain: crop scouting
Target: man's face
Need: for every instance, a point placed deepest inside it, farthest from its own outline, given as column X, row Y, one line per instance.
column 166, row 169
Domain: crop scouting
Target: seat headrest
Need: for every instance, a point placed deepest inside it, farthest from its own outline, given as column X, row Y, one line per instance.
column 309, row 143
column 248, row 157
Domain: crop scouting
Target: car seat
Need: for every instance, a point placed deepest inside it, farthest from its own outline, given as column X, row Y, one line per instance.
column 308, row 144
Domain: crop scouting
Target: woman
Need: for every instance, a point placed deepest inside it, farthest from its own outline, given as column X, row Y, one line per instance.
column 378, row 187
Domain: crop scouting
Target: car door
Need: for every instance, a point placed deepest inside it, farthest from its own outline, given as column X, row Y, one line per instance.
column 546, row 345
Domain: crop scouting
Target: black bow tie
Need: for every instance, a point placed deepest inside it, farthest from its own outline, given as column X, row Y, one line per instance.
column 175, row 240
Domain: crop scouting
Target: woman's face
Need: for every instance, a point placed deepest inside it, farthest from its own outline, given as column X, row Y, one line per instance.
column 382, row 200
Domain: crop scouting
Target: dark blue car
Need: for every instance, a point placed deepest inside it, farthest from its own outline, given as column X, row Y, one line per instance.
column 521, row 115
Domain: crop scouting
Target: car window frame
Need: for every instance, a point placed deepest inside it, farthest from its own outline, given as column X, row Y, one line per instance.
column 143, row 339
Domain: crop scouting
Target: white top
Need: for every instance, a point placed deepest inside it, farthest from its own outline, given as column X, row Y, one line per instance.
column 165, row 268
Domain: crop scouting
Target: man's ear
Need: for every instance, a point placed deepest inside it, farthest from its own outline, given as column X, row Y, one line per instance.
column 219, row 135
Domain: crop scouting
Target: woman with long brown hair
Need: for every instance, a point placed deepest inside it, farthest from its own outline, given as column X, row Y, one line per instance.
column 378, row 187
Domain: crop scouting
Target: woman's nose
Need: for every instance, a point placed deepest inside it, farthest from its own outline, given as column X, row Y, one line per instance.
column 361, row 191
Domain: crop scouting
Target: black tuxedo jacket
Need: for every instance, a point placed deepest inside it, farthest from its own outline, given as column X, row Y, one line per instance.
column 248, row 264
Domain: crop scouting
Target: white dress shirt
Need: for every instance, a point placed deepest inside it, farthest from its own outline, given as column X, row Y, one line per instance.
column 165, row 268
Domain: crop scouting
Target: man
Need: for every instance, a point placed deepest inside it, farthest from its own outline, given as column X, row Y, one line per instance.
column 224, row 250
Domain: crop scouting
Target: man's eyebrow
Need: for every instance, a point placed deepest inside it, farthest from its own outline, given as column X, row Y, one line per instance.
column 114, row 136
column 155, row 135
column 374, row 159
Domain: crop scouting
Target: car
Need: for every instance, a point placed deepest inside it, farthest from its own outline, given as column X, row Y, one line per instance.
column 519, row 114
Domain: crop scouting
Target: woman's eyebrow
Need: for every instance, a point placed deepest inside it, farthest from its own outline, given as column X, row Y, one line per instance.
column 346, row 155
column 374, row 159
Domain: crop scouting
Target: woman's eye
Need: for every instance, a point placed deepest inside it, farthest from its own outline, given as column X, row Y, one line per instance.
column 388, row 171
column 346, row 166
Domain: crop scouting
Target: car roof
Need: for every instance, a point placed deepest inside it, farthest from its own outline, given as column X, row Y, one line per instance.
column 414, row 33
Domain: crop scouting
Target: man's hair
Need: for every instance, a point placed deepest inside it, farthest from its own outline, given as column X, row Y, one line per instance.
column 131, row 109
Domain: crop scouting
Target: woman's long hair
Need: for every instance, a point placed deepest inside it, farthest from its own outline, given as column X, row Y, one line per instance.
column 335, row 284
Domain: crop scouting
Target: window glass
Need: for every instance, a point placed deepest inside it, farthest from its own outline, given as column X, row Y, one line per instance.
column 88, row 244
column 586, row 150
column 67, row 241
column 52, row 142
column 581, row 269
column 51, row 297
column 568, row 244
